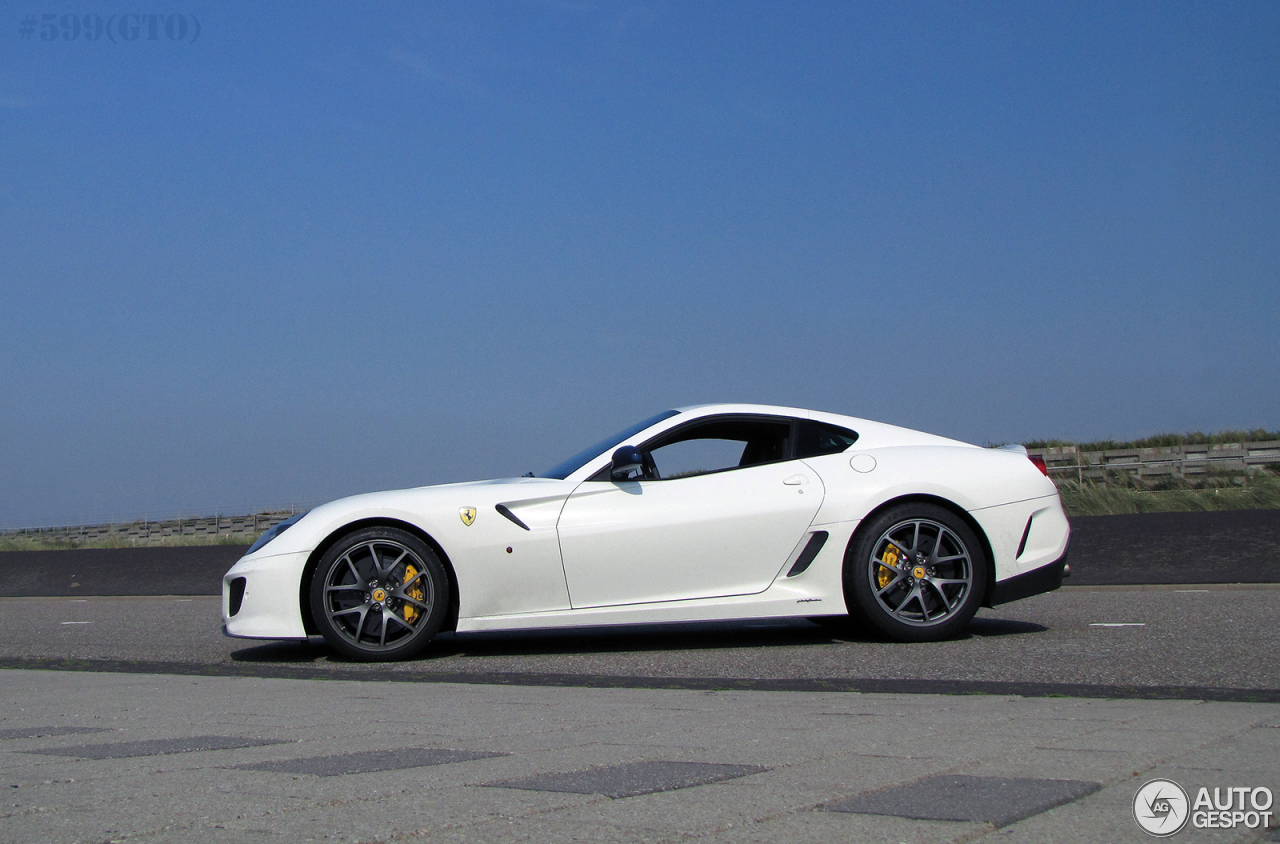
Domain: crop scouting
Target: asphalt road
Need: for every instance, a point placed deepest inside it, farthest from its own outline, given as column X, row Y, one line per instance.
column 1217, row 643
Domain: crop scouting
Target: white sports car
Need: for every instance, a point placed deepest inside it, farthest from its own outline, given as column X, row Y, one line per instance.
column 702, row 513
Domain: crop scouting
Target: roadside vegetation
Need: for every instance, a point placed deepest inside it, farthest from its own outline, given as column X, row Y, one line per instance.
column 35, row 542
column 1123, row 494
column 1259, row 435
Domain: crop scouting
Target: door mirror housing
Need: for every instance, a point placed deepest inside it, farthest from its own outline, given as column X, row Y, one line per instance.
column 626, row 460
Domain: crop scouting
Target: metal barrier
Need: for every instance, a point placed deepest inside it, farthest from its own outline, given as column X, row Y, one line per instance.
column 149, row 531
column 1179, row 461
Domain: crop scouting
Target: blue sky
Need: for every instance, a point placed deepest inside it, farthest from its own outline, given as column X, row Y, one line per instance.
column 329, row 248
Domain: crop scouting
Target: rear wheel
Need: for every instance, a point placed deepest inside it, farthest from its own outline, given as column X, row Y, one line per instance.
column 379, row 594
column 917, row 573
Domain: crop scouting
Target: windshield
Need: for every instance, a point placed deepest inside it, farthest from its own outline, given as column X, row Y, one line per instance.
column 564, row 469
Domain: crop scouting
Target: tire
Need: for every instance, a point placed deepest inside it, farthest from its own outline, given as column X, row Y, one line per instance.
column 379, row 594
column 916, row 572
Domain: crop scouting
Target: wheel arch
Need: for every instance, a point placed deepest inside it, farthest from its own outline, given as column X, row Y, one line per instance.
column 304, row 585
column 945, row 503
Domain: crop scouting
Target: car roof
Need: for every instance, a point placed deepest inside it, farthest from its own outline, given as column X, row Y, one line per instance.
column 871, row 434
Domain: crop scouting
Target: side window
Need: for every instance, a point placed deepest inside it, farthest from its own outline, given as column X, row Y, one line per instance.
column 696, row 457
column 716, row 446
column 818, row 438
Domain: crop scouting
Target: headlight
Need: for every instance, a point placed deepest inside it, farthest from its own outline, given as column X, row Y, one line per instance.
column 272, row 533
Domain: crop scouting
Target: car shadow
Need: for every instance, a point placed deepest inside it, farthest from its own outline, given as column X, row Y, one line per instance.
column 989, row 628
column 632, row 639
column 285, row 652
column 655, row 638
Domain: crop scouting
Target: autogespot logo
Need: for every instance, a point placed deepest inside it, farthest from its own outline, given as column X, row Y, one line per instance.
column 1160, row 807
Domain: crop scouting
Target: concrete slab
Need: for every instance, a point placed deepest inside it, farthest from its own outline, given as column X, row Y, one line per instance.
column 154, row 747
column 44, row 732
column 368, row 761
column 996, row 800
column 634, row 779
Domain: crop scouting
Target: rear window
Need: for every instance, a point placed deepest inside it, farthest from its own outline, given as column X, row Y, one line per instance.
column 819, row 438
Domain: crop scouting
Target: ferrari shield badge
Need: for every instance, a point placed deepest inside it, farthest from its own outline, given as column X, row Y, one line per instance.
column 467, row 514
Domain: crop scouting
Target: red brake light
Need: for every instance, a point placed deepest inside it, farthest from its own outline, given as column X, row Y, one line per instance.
column 1039, row 464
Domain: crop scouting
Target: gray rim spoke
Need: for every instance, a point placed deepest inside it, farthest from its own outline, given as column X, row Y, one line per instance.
column 423, row 604
column 942, row 596
column 918, row 595
column 421, row 574
column 364, row 613
column 892, row 584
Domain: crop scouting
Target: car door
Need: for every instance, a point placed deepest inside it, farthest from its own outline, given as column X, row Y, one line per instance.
column 721, row 525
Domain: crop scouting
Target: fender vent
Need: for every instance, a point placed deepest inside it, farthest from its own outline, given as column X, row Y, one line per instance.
column 506, row 511
column 810, row 551
column 1026, row 534
column 236, row 595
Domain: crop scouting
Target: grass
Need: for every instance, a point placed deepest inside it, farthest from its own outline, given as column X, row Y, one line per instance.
column 1262, row 491
column 1165, row 440
column 37, row 543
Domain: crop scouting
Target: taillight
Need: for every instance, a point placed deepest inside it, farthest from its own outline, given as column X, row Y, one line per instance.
column 1039, row 464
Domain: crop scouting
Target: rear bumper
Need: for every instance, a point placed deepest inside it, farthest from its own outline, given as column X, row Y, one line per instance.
column 1044, row 579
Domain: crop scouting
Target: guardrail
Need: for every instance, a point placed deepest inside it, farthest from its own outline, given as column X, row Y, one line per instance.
column 1179, row 461
column 148, row 531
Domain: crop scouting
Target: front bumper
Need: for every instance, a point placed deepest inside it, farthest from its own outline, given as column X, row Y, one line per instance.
column 270, row 605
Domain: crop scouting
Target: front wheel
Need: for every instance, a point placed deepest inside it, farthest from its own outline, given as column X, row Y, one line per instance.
column 916, row 572
column 379, row 594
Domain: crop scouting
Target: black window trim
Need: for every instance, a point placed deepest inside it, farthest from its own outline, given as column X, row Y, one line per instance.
column 818, row 423
column 647, row 446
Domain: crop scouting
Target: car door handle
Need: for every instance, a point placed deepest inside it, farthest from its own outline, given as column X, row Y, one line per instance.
column 796, row 480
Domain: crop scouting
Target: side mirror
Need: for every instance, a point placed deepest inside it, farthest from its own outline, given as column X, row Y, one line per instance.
column 625, row 461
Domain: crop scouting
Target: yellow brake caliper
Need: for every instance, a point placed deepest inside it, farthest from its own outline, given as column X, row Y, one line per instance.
column 884, row 576
column 416, row 592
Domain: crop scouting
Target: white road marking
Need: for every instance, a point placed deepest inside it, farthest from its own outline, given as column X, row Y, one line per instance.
column 1117, row 624
column 1185, row 591
column 75, row 622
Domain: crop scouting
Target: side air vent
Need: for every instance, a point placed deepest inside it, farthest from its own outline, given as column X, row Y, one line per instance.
column 506, row 511
column 1026, row 534
column 237, row 595
column 810, row 551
